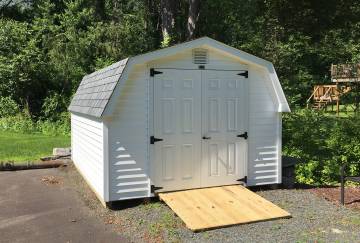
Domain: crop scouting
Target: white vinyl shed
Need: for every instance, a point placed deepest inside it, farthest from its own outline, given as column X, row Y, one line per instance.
column 198, row 114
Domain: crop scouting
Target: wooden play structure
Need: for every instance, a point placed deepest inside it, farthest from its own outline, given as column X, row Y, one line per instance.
column 346, row 78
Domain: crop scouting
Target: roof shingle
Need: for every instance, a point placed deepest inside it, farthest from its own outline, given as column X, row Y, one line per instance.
column 96, row 89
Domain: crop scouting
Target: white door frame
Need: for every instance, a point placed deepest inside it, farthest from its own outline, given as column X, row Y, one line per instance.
column 151, row 117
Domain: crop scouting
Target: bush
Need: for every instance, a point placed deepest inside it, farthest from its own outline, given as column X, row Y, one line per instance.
column 53, row 106
column 8, row 107
column 20, row 122
column 323, row 143
column 58, row 127
column 23, row 123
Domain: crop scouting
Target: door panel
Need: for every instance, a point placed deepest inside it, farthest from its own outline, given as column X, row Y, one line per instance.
column 224, row 96
column 177, row 120
column 198, row 114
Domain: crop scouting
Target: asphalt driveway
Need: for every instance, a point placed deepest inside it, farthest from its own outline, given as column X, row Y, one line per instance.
column 56, row 205
column 37, row 206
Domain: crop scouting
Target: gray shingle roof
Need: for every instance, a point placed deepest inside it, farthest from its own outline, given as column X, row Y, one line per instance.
column 96, row 89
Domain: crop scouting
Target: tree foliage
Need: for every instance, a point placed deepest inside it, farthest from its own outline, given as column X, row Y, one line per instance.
column 46, row 47
column 322, row 143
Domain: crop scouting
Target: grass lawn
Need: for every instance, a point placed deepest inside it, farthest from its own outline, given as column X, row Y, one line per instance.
column 19, row 147
column 345, row 110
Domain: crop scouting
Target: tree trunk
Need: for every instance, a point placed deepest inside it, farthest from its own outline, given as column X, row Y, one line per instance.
column 4, row 5
column 194, row 10
column 167, row 17
column 100, row 9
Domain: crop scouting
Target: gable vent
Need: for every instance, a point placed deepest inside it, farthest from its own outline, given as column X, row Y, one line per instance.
column 200, row 56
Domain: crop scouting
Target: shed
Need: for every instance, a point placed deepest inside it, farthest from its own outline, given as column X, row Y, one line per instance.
column 198, row 114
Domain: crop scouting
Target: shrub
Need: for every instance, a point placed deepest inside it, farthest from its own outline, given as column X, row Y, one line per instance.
column 323, row 143
column 20, row 122
column 53, row 106
column 58, row 127
column 8, row 107
column 23, row 123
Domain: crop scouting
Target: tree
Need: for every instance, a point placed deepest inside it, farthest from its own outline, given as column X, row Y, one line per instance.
column 167, row 13
column 193, row 16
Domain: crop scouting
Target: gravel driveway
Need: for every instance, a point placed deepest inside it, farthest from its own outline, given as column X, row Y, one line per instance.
column 314, row 219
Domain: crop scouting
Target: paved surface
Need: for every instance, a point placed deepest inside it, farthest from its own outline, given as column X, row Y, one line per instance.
column 56, row 205
column 37, row 206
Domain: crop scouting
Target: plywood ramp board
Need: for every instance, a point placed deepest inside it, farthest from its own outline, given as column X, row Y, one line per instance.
column 215, row 207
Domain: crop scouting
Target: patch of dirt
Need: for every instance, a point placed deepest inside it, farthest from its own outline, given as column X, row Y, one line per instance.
column 51, row 180
column 332, row 194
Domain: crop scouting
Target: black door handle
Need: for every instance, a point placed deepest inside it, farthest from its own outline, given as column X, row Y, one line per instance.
column 244, row 135
column 204, row 137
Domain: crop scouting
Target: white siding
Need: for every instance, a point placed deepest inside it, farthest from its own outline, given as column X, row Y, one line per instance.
column 130, row 127
column 87, row 150
column 129, row 139
column 264, row 134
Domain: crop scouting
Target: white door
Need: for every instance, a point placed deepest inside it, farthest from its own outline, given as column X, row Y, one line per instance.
column 198, row 115
column 224, row 117
column 177, row 120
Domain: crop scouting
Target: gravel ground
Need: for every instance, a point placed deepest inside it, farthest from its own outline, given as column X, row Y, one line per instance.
column 314, row 219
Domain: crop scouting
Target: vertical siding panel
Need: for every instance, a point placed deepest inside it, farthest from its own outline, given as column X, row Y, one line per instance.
column 128, row 140
column 264, row 132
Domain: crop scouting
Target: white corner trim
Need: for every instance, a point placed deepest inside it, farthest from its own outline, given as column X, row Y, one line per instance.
column 106, row 161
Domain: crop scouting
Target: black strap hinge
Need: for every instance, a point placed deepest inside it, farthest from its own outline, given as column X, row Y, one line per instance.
column 154, row 139
column 153, row 72
column 154, row 188
column 244, row 135
column 244, row 74
column 243, row 179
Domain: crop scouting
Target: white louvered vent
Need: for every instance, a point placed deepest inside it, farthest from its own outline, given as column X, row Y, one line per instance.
column 200, row 56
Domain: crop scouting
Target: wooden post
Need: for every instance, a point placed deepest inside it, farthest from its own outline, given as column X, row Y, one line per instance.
column 337, row 101
column 357, row 100
column 342, row 192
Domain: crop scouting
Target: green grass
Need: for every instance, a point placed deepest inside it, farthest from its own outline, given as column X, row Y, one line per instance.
column 344, row 111
column 20, row 147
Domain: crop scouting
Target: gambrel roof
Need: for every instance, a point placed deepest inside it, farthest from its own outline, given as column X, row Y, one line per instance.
column 98, row 88
column 95, row 90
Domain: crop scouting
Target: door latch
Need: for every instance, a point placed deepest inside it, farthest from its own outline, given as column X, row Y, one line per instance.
column 154, row 139
column 204, row 137
column 244, row 135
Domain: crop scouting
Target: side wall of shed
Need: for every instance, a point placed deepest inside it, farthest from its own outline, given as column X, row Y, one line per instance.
column 264, row 155
column 87, row 145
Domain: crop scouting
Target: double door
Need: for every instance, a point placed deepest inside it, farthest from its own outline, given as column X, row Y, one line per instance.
column 198, row 117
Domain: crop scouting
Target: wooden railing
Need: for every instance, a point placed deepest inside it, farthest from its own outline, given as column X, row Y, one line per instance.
column 345, row 72
column 326, row 94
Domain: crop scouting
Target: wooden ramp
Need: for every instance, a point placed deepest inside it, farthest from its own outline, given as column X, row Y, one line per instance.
column 216, row 207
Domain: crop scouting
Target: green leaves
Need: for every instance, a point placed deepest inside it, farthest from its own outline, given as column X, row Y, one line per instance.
column 322, row 142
